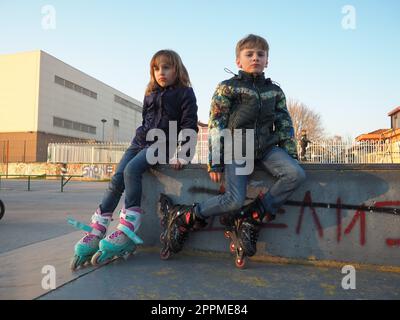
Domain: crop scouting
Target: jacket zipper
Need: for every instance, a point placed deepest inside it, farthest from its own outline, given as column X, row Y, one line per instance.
column 258, row 116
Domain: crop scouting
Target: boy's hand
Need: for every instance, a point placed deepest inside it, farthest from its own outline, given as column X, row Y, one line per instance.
column 216, row 176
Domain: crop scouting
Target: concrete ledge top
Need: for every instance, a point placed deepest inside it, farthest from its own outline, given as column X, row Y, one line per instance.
column 324, row 167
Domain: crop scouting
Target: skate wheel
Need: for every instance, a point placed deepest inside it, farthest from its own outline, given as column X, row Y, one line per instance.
column 74, row 263
column 95, row 258
column 162, row 223
column 2, row 209
column 232, row 247
column 165, row 254
column 240, row 263
column 87, row 263
column 126, row 256
column 162, row 238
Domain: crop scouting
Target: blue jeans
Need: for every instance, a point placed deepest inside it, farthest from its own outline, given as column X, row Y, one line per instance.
column 289, row 176
column 128, row 178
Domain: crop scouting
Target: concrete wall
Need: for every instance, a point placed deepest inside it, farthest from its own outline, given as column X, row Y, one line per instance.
column 304, row 228
column 89, row 172
column 305, row 232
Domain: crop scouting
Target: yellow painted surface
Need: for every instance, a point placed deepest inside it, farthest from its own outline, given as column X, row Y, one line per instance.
column 19, row 91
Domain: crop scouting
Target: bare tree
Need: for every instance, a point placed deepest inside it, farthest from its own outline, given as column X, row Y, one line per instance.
column 305, row 119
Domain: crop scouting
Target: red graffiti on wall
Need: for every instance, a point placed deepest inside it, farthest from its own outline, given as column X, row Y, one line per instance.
column 307, row 202
column 390, row 242
column 338, row 220
column 359, row 216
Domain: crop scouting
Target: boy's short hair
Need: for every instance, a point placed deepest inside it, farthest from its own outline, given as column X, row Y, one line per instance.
column 251, row 41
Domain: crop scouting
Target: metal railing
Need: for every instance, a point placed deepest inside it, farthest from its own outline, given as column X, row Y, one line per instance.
column 352, row 152
column 317, row 152
column 86, row 153
column 104, row 152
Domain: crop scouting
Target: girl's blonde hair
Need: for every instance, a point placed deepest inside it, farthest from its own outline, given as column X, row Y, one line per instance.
column 182, row 76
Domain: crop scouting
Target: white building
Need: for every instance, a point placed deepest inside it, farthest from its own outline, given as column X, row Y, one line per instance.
column 43, row 100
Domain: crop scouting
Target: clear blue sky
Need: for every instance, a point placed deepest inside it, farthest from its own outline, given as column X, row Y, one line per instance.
column 350, row 77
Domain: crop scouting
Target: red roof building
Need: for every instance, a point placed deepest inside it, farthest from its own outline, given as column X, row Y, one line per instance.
column 384, row 134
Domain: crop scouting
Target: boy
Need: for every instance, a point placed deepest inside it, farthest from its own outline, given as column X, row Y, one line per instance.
column 246, row 101
column 304, row 142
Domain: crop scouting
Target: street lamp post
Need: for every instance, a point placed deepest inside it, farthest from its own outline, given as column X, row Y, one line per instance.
column 104, row 121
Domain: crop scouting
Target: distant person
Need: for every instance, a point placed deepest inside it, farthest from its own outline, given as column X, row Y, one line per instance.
column 168, row 97
column 304, row 142
column 246, row 101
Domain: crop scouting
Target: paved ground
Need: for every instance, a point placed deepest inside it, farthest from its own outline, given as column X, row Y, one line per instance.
column 33, row 234
column 145, row 276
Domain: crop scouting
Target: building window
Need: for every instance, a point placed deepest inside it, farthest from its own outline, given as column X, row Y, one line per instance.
column 126, row 103
column 73, row 125
column 116, row 123
column 397, row 122
column 75, row 87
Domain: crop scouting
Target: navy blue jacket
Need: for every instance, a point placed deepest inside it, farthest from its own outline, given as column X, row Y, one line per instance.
column 164, row 105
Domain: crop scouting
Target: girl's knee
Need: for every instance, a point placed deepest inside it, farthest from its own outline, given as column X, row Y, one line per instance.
column 131, row 172
column 116, row 183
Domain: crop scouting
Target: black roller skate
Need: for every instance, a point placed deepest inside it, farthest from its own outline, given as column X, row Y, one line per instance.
column 176, row 222
column 243, row 229
column 232, row 226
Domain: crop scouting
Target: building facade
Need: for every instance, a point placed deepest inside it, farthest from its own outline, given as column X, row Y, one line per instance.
column 392, row 134
column 44, row 100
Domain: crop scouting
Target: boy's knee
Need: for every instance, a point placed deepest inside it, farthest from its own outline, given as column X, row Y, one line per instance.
column 294, row 176
column 233, row 202
column 299, row 176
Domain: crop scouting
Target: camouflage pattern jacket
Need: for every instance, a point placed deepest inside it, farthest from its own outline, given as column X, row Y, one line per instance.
column 250, row 102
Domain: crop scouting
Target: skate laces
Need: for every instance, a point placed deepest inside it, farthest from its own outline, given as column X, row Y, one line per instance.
column 181, row 235
column 115, row 234
column 252, row 231
column 88, row 238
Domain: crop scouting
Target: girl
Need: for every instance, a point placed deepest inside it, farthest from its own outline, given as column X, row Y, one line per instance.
column 168, row 97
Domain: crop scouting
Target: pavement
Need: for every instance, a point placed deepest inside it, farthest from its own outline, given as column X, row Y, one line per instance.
column 36, row 241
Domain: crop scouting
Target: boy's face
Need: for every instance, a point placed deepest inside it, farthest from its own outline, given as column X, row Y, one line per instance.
column 252, row 60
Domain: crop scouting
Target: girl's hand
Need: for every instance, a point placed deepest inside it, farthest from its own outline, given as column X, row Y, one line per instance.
column 177, row 165
column 216, row 176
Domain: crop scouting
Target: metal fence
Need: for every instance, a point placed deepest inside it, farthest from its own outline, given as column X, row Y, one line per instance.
column 17, row 151
column 317, row 152
column 85, row 153
column 104, row 152
column 353, row 152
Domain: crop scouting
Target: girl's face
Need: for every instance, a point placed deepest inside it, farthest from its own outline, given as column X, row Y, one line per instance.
column 164, row 73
